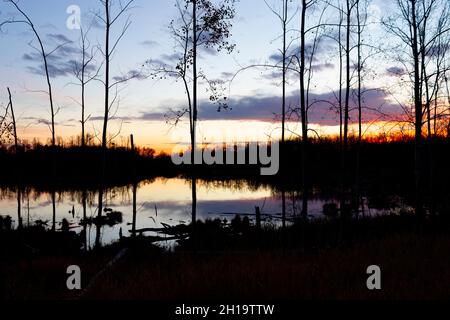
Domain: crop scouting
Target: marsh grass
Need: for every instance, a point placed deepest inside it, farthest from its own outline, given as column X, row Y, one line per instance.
column 324, row 259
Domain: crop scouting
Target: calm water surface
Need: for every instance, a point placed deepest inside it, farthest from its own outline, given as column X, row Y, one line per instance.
column 160, row 201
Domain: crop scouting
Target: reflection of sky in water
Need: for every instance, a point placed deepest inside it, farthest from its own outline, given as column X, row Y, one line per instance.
column 171, row 197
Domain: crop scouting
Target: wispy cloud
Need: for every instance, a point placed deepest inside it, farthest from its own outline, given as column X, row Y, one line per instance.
column 61, row 63
column 395, row 71
column 149, row 44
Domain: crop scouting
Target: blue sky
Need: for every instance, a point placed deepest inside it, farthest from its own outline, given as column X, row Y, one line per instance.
column 254, row 94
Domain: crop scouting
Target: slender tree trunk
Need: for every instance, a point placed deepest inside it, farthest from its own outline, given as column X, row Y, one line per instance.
column 16, row 140
column 51, row 101
column 283, row 107
column 348, row 81
column 341, row 109
column 47, row 74
column 425, row 82
column 83, row 70
column 344, row 170
column 195, row 78
column 303, row 110
column 418, row 113
column 50, row 92
column 358, row 155
column 436, row 101
column 16, row 150
column 434, row 134
column 106, row 116
column 107, row 60
column 194, row 111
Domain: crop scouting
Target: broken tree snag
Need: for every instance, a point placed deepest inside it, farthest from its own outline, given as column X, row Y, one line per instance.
column 16, row 148
column 16, row 143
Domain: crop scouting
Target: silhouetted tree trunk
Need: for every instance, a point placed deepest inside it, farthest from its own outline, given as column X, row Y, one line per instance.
column 194, row 111
column 109, row 20
column 283, row 106
column 346, row 110
column 341, row 65
column 306, row 72
column 16, row 150
column 347, row 83
column 359, row 96
column 303, row 108
column 83, row 85
column 44, row 55
column 106, row 113
column 84, row 76
column 203, row 24
column 284, row 56
column 418, row 109
column 16, row 139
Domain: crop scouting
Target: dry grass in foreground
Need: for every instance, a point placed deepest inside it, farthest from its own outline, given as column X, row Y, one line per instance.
column 413, row 267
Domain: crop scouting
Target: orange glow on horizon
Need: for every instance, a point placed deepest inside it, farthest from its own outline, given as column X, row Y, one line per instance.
column 159, row 136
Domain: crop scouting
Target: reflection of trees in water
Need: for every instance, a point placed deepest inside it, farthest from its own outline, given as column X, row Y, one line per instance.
column 123, row 195
column 234, row 184
column 150, row 181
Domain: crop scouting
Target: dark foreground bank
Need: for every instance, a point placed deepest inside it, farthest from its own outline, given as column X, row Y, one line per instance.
column 329, row 260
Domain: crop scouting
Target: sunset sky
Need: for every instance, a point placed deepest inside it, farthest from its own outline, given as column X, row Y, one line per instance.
column 254, row 96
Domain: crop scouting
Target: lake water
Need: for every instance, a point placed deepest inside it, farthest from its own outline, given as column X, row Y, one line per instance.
column 159, row 201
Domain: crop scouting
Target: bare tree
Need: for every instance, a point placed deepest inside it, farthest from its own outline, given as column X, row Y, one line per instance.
column 285, row 18
column 43, row 52
column 16, row 148
column 201, row 24
column 361, row 21
column 7, row 127
column 14, row 125
column 341, row 64
column 85, row 71
column 350, row 6
column 109, row 19
column 418, row 25
column 305, row 79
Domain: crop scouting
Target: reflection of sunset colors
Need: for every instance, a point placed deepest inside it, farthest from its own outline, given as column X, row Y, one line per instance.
column 175, row 190
column 171, row 197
